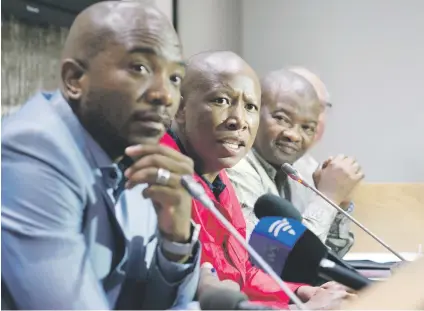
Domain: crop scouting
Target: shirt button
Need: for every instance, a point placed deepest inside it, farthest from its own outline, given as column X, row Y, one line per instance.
column 113, row 174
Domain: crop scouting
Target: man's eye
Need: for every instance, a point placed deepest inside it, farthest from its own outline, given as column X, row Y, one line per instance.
column 251, row 107
column 140, row 69
column 176, row 80
column 309, row 129
column 221, row 101
column 281, row 118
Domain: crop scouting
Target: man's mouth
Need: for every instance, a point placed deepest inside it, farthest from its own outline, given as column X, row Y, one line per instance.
column 232, row 143
column 288, row 148
column 148, row 116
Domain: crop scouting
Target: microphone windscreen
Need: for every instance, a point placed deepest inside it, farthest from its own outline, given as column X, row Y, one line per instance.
column 288, row 169
column 269, row 205
column 292, row 250
column 303, row 262
column 221, row 299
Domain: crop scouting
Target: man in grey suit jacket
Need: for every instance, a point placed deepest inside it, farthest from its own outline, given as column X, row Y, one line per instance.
column 93, row 213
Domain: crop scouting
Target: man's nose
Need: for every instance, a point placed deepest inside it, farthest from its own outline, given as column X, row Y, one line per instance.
column 293, row 133
column 237, row 118
column 158, row 93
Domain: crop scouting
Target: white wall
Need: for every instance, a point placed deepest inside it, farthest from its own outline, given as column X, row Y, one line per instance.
column 209, row 25
column 370, row 53
column 166, row 7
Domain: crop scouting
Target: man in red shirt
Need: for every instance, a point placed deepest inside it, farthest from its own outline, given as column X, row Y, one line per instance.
column 216, row 125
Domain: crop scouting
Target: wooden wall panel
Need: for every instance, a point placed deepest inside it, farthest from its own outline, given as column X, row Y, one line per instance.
column 394, row 212
column 30, row 58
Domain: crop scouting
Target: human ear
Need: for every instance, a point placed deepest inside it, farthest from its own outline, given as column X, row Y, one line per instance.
column 73, row 76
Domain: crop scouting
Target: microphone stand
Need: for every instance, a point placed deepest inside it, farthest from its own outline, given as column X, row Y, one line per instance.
column 197, row 192
column 293, row 174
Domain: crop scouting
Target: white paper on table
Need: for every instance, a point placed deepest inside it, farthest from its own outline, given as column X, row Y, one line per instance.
column 380, row 257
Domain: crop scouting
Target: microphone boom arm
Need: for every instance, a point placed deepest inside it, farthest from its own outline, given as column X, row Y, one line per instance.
column 293, row 174
column 197, row 192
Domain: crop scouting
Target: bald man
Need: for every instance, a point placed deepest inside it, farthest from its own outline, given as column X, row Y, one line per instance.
column 323, row 96
column 216, row 125
column 289, row 120
column 93, row 214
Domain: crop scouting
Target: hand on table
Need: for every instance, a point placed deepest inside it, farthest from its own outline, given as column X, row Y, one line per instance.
column 328, row 296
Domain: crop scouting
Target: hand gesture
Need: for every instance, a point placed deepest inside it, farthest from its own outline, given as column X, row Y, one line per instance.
column 338, row 177
column 162, row 168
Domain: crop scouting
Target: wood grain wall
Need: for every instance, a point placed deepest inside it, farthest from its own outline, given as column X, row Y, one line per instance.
column 394, row 212
column 30, row 58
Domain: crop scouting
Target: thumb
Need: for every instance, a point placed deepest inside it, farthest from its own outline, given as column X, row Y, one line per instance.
column 316, row 176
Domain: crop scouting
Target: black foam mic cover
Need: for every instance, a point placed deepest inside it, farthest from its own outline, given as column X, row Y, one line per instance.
column 272, row 205
column 303, row 262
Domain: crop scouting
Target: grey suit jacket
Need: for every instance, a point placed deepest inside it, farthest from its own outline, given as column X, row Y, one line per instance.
column 66, row 244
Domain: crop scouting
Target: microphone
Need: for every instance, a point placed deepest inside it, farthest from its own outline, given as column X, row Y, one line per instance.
column 224, row 299
column 293, row 174
column 272, row 205
column 298, row 255
column 196, row 191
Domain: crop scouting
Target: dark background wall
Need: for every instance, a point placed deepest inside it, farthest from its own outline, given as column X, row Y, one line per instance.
column 30, row 57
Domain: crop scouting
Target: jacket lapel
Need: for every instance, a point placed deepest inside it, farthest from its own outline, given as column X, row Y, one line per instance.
column 93, row 154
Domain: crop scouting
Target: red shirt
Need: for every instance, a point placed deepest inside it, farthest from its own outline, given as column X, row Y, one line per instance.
column 222, row 250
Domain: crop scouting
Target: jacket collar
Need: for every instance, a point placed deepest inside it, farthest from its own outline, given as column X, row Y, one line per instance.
column 269, row 169
column 99, row 161
column 217, row 186
column 96, row 155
